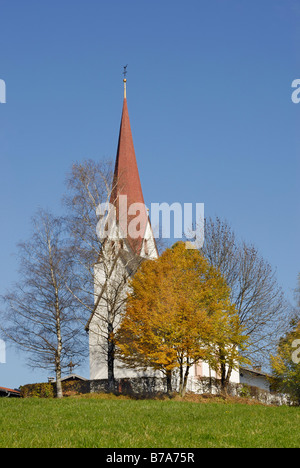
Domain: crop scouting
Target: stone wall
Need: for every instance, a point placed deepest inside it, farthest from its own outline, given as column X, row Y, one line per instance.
column 206, row 385
column 151, row 386
column 132, row 386
column 147, row 386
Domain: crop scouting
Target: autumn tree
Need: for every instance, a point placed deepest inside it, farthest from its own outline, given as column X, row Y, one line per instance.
column 177, row 306
column 40, row 315
column 286, row 363
column 228, row 344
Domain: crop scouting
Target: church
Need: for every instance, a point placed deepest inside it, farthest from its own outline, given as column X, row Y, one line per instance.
column 123, row 250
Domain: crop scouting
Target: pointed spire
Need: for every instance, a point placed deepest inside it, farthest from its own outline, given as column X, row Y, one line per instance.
column 127, row 181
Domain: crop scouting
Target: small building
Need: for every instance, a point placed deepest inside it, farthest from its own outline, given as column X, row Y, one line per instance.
column 74, row 377
column 255, row 378
column 72, row 383
column 9, row 392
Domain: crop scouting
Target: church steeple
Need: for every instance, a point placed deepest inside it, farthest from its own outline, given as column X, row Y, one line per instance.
column 127, row 180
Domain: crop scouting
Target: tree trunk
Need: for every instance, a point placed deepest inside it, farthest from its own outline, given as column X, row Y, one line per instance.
column 110, row 359
column 186, row 374
column 169, row 382
column 225, row 377
column 59, row 392
column 180, row 377
column 187, row 370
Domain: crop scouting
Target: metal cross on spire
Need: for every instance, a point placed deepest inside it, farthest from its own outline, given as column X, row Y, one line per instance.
column 71, row 366
column 125, row 79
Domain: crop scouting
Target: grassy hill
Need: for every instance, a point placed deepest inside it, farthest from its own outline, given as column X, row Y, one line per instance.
column 116, row 422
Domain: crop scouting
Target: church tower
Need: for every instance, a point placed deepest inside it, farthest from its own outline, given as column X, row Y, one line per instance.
column 130, row 240
column 127, row 193
column 127, row 243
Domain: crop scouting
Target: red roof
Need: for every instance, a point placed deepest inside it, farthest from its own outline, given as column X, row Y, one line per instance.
column 127, row 182
column 9, row 390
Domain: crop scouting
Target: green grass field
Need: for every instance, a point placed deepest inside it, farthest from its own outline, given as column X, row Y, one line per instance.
column 125, row 423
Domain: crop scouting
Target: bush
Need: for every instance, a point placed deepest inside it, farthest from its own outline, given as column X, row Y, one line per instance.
column 48, row 390
column 38, row 390
column 245, row 391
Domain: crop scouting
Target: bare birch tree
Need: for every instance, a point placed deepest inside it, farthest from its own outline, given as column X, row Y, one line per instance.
column 40, row 314
column 103, row 283
column 262, row 307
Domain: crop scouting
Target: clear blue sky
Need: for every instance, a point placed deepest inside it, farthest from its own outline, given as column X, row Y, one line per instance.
column 209, row 97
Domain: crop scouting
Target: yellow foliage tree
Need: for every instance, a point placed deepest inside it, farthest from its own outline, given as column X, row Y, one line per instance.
column 178, row 313
column 286, row 364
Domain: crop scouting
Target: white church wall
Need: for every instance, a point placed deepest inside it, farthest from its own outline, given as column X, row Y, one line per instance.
column 202, row 369
column 149, row 246
column 98, row 325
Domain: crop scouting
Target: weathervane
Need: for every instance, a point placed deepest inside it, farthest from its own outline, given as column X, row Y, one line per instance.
column 125, row 79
